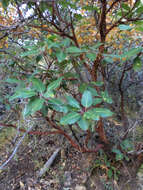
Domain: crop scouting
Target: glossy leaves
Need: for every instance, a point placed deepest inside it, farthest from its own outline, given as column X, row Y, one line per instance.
column 70, row 118
column 34, row 105
column 86, row 99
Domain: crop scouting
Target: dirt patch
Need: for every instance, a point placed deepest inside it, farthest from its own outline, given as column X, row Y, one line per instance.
column 71, row 170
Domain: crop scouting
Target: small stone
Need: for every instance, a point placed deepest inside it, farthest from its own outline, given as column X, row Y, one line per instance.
column 80, row 187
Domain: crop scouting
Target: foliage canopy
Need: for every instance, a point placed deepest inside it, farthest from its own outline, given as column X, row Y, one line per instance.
column 58, row 54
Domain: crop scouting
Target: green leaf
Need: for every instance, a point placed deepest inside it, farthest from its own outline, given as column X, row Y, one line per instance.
column 70, row 118
column 132, row 52
column 5, row 3
column 43, row 6
column 127, row 145
column 82, row 87
column 98, row 83
column 96, row 113
column 92, row 90
column 53, row 44
column 108, row 60
column 97, row 45
column 44, row 110
column 73, row 49
column 126, row 157
column 13, row 80
column 125, row 6
column 90, row 8
column 34, row 105
column 103, row 112
column 38, row 85
column 77, row 16
column 83, row 124
column 64, row 4
column 117, row 151
column 111, row 56
column 70, row 75
column 138, row 3
column 119, row 155
column 109, row 173
column 91, row 56
column 58, row 105
column 106, row 97
column 55, row 84
column 137, row 64
column 30, row 46
column 91, row 114
column 38, row 58
column 125, row 27
column 1, row 99
column 31, row 52
column 49, row 94
column 60, row 108
column 23, row 93
column 12, row 63
column 139, row 10
column 8, row 107
column 96, row 101
column 60, row 56
column 55, row 101
column 72, row 102
column 51, row 38
column 86, row 99
column 139, row 28
column 66, row 42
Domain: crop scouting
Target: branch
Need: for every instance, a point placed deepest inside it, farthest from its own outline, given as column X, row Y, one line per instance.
column 123, row 136
column 74, row 135
column 123, row 17
column 48, row 163
column 111, row 7
column 15, row 149
column 59, row 31
column 53, row 124
column 17, row 25
column 122, row 95
column 102, row 23
column 3, row 36
column 31, row 132
column 16, row 59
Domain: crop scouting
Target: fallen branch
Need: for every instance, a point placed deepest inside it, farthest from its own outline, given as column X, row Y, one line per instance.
column 48, row 163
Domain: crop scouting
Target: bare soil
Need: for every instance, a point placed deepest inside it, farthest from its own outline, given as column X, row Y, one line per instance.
column 71, row 169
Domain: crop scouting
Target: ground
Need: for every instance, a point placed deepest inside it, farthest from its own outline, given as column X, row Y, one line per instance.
column 71, row 170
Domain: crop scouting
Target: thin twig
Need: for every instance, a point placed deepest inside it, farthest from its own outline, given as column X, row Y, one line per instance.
column 129, row 130
column 74, row 135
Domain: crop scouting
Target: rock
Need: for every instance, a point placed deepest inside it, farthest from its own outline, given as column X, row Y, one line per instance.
column 80, row 187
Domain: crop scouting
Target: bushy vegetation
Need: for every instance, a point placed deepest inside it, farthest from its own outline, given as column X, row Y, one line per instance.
column 77, row 64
